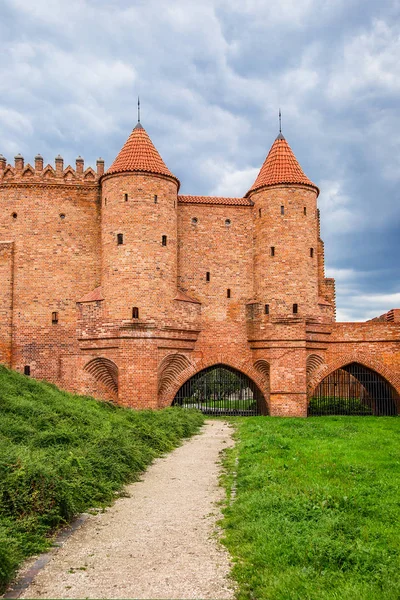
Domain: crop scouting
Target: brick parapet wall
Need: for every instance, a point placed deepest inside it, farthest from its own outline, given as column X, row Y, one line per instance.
column 19, row 174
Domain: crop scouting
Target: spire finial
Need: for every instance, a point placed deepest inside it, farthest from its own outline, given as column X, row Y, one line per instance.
column 138, row 110
column 280, row 121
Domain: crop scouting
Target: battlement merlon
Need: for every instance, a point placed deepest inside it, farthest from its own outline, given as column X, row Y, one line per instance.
column 21, row 174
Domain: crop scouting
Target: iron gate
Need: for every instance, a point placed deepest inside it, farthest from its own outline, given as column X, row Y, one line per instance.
column 221, row 390
column 353, row 390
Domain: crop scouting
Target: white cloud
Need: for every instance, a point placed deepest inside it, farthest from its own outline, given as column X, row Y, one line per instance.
column 368, row 66
column 233, row 182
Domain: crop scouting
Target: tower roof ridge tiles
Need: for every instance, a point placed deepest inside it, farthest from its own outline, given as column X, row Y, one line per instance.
column 139, row 154
column 281, row 166
column 215, row 200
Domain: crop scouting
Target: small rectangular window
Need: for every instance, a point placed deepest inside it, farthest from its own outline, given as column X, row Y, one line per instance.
column 311, row 252
column 164, row 240
column 228, row 293
column 54, row 318
column 282, row 210
column 120, row 239
column 126, row 197
column 259, row 212
column 305, row 210
column 295, row 309
column 135, row 312
column 266, row 309
column 272, row 250
column 208, row 276
column 155, row 198
column 27, row 370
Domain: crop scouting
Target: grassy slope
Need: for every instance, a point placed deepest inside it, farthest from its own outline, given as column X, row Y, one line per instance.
column 61, row 454
column 316, row 512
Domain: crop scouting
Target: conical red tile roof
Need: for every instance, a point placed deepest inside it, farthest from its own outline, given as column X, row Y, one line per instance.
column 280, row 166
column 140, row 154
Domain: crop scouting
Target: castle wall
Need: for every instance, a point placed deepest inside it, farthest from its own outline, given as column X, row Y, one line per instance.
column 213, row 293
column 224, row 250
column 55, row 227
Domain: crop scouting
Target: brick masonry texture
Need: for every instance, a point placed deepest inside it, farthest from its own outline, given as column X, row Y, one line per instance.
column 113, row 285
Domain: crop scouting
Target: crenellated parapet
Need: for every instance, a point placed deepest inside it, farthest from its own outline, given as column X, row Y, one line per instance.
column 21, row 174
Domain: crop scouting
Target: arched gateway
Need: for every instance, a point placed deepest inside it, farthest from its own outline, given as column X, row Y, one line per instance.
column 354, row 390
column 222, row 390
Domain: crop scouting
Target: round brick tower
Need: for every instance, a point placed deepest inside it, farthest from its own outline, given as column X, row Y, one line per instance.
column 139, row 232
column 285, row 235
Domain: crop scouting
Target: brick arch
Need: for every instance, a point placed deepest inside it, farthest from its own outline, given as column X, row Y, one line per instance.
column 170, row 368
column 244, row 367
column 370, row 362
column 313, row 362
column 263, row 367
column 105, row 371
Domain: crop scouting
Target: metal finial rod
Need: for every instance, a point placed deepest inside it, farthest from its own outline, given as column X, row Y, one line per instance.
column 280, row 121
column 138, row 110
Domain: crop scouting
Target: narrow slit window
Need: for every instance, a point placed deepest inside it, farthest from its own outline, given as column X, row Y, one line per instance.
column 135, row 312
column 266, row 309
column 54, row 318
column 228, row 293
column 120, row 239
column 305, row 210
column 295, row 309
column 105, row 201
column 311, row 252
column 164, row 240
column 282, row 210
column 126, row 197
column 259, row 212
column 208, row 276
column 155, row 198
column 27, row 370
column 272, row 250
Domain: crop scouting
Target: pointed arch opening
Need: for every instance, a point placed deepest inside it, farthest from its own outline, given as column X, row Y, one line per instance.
column 222, row 390
column 354, row 389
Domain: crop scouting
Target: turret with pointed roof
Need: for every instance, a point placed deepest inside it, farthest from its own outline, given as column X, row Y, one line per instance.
column 280, row 167
column 285, row 235
column 139, row 155
column 139, row 231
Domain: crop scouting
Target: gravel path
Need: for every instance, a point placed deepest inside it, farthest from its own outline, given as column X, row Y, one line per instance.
column 156, row 543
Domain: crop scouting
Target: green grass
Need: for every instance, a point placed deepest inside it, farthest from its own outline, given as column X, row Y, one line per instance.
column 316, row 513
column 62, row 454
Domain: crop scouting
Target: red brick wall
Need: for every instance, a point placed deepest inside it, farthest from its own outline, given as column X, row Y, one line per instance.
column 56, row 260
column 6, row 301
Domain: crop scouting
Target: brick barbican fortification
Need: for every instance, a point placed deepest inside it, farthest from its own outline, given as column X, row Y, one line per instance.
column 114, row 285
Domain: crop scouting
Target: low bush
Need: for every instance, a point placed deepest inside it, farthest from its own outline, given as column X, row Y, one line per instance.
column 61, row 454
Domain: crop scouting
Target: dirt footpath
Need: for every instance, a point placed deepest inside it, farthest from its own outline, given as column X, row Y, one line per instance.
column 157, row 543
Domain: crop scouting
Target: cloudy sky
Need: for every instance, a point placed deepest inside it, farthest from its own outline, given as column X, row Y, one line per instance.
column 211, row 76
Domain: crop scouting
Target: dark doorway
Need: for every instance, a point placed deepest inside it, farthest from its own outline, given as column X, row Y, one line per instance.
column 354, row 390
column 221, row 390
